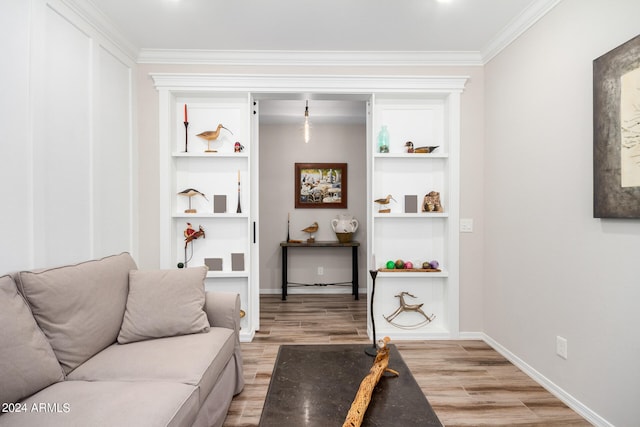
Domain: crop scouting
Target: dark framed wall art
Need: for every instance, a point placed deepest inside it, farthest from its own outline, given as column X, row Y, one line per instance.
column 616, row 132
column 320, row 185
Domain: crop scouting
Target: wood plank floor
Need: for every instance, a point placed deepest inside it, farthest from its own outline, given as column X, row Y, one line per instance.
column 467, row 382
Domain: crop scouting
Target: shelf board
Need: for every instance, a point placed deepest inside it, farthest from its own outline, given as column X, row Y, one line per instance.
column 411, row 155
column 411, row 215
column 232, row 274
column 210, row 215
column 202, row 154
column 412, row 274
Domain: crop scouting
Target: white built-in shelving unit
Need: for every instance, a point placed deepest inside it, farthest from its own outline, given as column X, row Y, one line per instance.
column 425, row 119
column 211, row 173
column 424, row 110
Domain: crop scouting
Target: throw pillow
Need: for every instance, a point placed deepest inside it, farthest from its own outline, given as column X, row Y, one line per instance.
column 27, row 361
column 79, row 307
column 164, row 303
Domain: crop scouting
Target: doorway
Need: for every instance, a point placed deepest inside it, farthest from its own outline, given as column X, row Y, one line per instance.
column 338, row 134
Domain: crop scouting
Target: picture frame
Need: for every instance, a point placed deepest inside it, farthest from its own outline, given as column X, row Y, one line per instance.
column 320, row 185
column 616, row 132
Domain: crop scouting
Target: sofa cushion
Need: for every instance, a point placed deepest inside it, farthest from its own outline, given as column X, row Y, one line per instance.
column 27, row 361
column 79, row 307
column 107, row 404
column 164, row 303
column 196, row 359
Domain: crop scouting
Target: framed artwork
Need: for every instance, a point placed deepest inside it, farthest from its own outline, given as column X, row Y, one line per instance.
column 616, row 132
column 320, row 185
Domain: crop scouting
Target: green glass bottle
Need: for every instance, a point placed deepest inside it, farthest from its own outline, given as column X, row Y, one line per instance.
column 383, row 140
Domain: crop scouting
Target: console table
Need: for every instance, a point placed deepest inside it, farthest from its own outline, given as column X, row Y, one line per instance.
column 321, row 244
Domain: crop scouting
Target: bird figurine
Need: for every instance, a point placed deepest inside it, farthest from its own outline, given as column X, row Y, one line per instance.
column 211, row 135
column 426, row 149
column 383, row 204
column 311, row 229
column 409, row 146
column 190, row 192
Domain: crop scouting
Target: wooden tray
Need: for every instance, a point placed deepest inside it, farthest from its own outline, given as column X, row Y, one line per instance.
column 410, row 270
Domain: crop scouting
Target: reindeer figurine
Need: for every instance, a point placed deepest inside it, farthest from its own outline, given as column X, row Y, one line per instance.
column 405, row 307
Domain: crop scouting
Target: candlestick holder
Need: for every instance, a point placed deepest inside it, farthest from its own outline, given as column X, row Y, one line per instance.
column 186, row 137
column 373, row 350
column 239, row 208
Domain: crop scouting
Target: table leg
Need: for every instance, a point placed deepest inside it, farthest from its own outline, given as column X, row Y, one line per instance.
column 284, row 273
column 354, row 271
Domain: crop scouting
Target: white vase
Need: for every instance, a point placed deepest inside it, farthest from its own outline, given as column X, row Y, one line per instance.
column 344, row 223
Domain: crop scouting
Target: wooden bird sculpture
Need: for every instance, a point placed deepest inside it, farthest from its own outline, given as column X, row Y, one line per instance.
column 409, row 146
column 311, row 229
column 383, row 204
column 426, row 149
column 190, row 192
column 212, row 135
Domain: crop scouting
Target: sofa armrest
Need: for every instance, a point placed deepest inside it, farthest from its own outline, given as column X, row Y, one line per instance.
column 223, row 309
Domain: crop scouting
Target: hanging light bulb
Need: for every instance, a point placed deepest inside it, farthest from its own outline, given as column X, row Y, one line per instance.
column 306, row 123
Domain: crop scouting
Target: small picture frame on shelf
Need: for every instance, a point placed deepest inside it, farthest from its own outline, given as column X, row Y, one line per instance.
column 219, row 203
column 411, row 203
column 214, row 264
column 237, row 262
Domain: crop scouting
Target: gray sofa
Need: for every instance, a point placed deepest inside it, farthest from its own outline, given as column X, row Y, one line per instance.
column 101, row 343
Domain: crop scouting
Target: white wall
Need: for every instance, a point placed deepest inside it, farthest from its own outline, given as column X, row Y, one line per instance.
column 68, row 175
column 550, row 267
column 281, row 146
column 15, row 176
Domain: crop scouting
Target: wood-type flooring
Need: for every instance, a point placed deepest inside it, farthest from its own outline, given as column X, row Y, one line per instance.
column 467, row 382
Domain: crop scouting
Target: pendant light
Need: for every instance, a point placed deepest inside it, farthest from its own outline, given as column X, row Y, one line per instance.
column 306, row 123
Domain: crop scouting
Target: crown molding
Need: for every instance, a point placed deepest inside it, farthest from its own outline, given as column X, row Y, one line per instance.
column 91, row 14
column 307, row 58
column 532, row 14
column 325, row 83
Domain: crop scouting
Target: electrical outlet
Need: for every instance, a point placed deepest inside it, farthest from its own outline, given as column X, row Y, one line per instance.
column 320, row 271
column 561, row 347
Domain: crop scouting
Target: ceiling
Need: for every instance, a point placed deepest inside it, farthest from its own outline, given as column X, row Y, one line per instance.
column 328, row 25
column 473, row 29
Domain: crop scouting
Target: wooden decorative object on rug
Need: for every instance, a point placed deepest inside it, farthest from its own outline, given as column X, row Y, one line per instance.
column 363, row 396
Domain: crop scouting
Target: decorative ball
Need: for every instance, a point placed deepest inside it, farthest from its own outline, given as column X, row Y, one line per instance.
column 408, row 265
column 399, row 264
column 426, row 265
column 434, row 264
column 391, row 265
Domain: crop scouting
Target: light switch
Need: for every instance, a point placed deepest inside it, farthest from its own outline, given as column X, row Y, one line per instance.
column 466, row 225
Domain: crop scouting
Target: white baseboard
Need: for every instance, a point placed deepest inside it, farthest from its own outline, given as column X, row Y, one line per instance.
column 553, row 388
column 472, row 336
